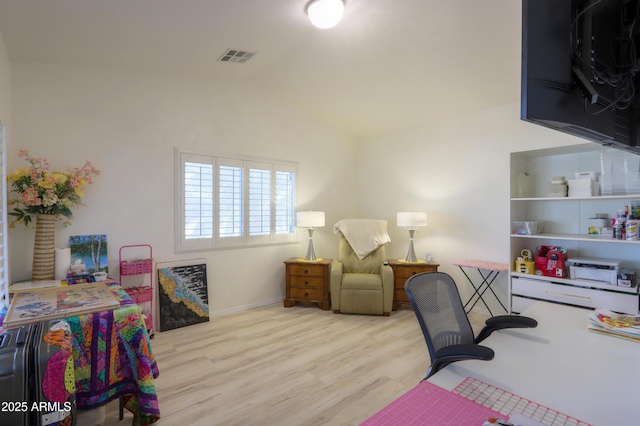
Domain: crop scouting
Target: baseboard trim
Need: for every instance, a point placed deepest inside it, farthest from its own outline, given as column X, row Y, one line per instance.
column 237, row 309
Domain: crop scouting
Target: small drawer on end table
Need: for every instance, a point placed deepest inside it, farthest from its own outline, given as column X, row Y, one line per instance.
column 306, row 282
column 306, row 269
column 307, row 294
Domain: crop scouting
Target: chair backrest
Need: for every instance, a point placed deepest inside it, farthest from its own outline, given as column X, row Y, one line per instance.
column 438, row 307
column 351, row 263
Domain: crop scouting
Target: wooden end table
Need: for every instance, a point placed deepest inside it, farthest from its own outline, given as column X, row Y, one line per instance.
column 402, row 270
column 307, row 281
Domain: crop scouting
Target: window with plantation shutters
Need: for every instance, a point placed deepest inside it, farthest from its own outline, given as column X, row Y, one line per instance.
column 230, row 202
column 4, row 271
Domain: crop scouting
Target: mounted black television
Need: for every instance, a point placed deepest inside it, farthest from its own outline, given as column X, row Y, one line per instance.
column 580, row 66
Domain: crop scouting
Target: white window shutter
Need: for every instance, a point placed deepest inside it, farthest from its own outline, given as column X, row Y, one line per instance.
column 259, row 201
column 4, row 249
column 230, row 199
column 198, row 200
column 285, row 201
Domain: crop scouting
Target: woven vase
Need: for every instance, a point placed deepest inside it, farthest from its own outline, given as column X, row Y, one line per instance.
column 43, row 249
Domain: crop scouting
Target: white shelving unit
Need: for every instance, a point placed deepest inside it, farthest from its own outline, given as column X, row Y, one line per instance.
column 566, row 222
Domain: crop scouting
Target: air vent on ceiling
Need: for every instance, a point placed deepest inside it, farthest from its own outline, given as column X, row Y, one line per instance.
column 234, row 55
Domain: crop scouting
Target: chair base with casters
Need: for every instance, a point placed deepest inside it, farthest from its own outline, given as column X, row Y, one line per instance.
column 444, row 323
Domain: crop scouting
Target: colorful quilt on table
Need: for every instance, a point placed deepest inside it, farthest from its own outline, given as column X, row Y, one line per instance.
column 113, row 358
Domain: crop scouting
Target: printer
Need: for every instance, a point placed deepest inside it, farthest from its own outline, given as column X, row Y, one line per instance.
column 604, row 271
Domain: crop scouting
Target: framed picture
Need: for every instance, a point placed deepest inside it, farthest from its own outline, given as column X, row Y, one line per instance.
column 89, row 253
column 182, row 293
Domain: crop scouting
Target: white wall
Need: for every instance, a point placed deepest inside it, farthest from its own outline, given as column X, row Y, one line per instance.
column 128, row 124
column 458, row 172
column 5, row 86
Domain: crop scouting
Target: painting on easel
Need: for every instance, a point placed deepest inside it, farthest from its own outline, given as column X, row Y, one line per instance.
column 182, row 293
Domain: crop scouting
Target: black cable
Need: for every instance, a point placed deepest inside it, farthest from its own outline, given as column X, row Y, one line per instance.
column 622, row 82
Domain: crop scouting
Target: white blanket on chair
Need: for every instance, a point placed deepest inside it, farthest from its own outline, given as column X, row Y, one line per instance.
column 363, row 235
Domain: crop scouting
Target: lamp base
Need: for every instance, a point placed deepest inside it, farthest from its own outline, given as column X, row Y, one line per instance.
column 317, row 259
column 411, row 254
column 409, row 261
column 311, row 255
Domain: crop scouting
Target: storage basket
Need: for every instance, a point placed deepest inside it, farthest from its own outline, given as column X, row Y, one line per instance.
column 529, row 227
column 135, row 268
column 140, row 294
column 525, row 266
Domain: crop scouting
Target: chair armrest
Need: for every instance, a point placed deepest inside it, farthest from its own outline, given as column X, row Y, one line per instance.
column 335, row 282
column 466, row 351
column 386, row 274
column 505, row 321
column 454, row 353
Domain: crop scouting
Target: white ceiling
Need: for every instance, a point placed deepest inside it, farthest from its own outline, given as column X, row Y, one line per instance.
column 388, row 65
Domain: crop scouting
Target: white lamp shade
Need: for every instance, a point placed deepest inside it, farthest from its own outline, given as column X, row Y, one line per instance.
column 325, row 13
column 412, row 219
column 310, row 219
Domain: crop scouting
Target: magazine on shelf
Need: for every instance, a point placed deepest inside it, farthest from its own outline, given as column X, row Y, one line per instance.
column 620, row 325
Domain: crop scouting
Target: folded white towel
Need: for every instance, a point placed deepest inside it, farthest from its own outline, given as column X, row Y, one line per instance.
column 363, row 235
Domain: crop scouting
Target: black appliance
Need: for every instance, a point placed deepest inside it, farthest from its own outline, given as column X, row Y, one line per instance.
column 33, row 370
column 16, row 373
column 579, row 69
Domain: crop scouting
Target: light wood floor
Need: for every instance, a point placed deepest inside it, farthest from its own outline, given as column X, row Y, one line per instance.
column 286, row 366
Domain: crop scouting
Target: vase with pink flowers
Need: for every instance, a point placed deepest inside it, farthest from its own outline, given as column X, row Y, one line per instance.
column 47, row 196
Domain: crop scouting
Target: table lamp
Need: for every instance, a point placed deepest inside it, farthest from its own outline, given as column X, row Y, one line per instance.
column 411, row 220
column 310, row 220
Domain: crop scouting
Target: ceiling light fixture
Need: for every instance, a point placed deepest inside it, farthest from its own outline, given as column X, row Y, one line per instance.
column 325, row 13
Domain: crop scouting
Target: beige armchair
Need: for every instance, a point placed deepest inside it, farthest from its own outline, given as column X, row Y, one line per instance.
column 361, row 285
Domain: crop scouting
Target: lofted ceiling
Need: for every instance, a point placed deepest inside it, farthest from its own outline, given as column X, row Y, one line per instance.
column 389, row 65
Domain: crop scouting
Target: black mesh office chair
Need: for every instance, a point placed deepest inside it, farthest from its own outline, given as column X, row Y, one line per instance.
column 445, row 325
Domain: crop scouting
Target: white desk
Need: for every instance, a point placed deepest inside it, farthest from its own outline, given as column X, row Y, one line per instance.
column 561, row 365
